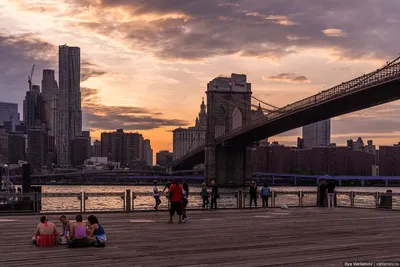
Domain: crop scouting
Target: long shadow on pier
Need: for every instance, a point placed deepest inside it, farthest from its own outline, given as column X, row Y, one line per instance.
column 294, row 237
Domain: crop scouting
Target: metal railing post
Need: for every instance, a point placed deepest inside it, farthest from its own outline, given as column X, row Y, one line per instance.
column 80, row 197
column 352, row 196
column 133, row 201
column 273, row 195
column 84, row 201
column 300, row 198
column 377, row 200
column 127, row 200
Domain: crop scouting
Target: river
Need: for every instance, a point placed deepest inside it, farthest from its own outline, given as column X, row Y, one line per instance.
column 145, row 201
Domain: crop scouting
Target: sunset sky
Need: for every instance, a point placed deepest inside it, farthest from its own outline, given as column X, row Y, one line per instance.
column 146, row 63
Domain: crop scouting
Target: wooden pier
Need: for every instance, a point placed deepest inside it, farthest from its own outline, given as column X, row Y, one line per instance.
column 294, row 237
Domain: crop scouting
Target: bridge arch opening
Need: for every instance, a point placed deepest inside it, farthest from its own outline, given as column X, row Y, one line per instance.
column 237, row 118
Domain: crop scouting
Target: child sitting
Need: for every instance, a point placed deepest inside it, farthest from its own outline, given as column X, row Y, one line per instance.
column 65, row 232
column 97, row 232
column 45, row 234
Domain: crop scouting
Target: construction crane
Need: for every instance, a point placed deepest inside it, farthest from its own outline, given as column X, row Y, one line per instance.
column 30, row 78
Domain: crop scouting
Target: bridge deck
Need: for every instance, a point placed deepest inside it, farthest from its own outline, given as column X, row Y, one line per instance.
column 293, row 237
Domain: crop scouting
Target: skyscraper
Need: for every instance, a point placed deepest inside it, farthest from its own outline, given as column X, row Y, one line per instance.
column 50, row 98
column 33, row 108
column 70, row 117
column 148, row 152
column 317, row 134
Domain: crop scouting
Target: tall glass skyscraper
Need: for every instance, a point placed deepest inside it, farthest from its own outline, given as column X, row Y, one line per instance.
column 70, row 111
column 317, row 134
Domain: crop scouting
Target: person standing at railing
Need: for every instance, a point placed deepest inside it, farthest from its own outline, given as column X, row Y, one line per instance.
column 205, row 196
column 330, row 194
column 265, row 192
column 166, row 188
column 253, row 194
column 322, row 193
column 214, row 195
column 156, row 195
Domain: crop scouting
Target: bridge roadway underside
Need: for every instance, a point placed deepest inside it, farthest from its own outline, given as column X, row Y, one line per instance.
column 295, row 237
column 356, row 101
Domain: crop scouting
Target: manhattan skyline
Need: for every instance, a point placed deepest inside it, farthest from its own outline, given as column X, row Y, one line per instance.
column 145, row 64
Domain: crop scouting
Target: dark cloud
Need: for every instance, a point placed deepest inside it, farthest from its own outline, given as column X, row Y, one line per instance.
column 18, row 52
column 89, row 70
column 104, row 117
column 191, row 29
column 286, row 77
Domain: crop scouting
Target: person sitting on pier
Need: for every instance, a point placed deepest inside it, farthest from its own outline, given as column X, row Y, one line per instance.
column 96, row 232
column 46, row 233
column 65, row 223
column 78, row 235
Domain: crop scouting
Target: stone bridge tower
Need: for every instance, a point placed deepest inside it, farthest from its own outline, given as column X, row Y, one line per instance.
column 228, row 107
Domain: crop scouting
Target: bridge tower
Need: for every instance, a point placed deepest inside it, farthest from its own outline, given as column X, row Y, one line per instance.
column 228, row 107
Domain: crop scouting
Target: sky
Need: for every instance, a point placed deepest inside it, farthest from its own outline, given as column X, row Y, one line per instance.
column 146, row 63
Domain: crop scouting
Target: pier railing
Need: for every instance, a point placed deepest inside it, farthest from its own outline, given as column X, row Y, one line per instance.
column 128, row 201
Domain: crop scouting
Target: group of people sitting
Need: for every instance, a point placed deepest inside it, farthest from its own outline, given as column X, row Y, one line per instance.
column 78, row 234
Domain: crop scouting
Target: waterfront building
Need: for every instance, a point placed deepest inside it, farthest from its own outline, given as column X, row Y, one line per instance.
column 16, row 148
column 37, row 148
column 79, row 151
column 164, row 158
column 317, row 134
column 122, row 147
column 188, row 139
column 69, row 102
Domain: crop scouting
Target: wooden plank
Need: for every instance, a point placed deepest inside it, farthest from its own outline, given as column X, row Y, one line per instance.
column 293, row 237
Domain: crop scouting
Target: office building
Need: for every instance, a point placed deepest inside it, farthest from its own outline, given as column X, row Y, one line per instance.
column 122, row 147
column 164, row 158
column 16, row 148
column 148, row 152
column 87, row 135
column 37, row 148
column 97, row 149
column 3, row 146
column 50, row 98
column 79, row 151
column 188, row 139
column 9, row 113
column 317, row 134
column 69, row 102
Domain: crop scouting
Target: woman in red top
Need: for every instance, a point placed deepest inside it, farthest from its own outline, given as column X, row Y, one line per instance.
column 176, row 201
column 46, row 233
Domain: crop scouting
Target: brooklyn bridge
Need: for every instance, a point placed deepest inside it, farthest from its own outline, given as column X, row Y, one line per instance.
column 229, row 148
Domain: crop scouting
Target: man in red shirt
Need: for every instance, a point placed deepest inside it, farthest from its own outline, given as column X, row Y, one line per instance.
column 175, row 192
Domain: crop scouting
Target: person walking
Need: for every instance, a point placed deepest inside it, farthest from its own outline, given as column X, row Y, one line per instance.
column 176, row 194
column 331, row 194
column 156, row 196
column 185, row 201
column 265, row 193
column 253, row 194
column 214, row 195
